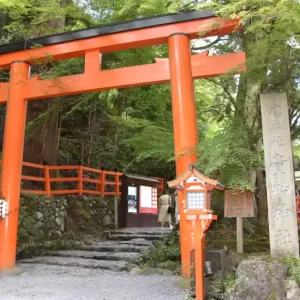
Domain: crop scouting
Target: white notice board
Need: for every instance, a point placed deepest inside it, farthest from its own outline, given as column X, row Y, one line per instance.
column 146, row 196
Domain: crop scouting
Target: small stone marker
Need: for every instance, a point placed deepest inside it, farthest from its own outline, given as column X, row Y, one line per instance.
column 283, row 228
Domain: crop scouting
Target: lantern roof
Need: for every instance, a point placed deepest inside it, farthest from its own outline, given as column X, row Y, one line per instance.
column 194, row 175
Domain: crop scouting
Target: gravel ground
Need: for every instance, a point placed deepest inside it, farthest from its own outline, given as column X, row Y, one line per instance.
column 41, row 282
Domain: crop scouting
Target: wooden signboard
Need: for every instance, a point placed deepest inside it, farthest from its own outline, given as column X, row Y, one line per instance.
column 238, row 204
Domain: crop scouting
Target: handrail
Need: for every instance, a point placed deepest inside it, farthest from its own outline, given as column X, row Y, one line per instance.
column 74, row 180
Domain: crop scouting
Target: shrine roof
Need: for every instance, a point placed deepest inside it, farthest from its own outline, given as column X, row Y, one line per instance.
column 194, row 171
column 140, row 177
column 106, row 30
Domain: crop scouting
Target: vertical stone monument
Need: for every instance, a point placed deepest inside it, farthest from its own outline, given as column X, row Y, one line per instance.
column 282, row 214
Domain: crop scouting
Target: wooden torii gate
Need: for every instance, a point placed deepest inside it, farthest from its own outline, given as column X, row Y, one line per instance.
column 180, row 69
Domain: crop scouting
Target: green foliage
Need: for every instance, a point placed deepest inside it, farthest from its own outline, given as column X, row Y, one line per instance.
column 224, row 285
column 165, row 254
column 148, row 140
column 227, row 155
column 293, row 265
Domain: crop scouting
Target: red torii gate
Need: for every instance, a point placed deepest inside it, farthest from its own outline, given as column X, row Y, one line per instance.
column 180, row 69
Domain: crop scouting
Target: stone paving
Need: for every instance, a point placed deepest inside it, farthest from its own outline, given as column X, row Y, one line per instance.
column 49, row 282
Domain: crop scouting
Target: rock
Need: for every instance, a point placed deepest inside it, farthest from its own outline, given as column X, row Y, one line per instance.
column 57, row 234
column 40, row 233
column 39, row 215
column 58, row 221
column 33, row 231
column 258, row 279
column 105, row 235
column 22, row 234
column 106, row 221
column 78, row 262
column 88, row 242
column 293, row 290
column 232, row 260
column 27, row 222
column 39, row 224
column 135, row 271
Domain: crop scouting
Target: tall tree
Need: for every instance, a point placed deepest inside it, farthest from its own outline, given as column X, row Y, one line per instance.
column 269, row 38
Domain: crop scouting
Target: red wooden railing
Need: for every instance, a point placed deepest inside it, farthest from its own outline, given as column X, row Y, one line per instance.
column 83, row 180
column 298, row 208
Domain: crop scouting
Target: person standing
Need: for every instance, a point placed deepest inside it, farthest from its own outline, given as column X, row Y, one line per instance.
column 176, row 207
column 165, row 210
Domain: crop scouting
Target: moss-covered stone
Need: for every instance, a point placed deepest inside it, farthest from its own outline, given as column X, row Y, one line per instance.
column 44, row 220
column 259, row 279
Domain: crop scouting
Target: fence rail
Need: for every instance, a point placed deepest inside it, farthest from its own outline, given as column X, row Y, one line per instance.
column 62, row 180
column 298, row 208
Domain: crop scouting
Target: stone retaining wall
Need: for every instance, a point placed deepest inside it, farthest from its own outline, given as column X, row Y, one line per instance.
column 43, row 219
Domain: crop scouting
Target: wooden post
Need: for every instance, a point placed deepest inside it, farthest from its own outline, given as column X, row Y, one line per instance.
column 47, row 181
column 102, row 183
column 117, row 184
column 199, row 262
column 117, row 201
column 80, row 181
column 13, row 146
column 116, row 212
column 239, row 235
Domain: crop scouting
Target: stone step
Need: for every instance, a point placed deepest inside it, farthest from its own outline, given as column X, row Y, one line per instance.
column 117, row 256
column 127, row 237
column 138, row 232
column 137, row 242
column 113, row 248
column 79, row 262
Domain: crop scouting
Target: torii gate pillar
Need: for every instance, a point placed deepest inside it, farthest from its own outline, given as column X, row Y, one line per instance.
column 184, row 126
column 12, row 161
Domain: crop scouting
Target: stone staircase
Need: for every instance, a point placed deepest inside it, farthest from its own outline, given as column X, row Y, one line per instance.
column 118, row 252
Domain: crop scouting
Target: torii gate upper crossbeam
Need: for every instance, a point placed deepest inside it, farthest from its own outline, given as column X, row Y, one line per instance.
column 107, row 39
column 97, row 80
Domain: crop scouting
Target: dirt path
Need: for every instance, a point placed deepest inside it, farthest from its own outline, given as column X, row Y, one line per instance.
column 42, row 282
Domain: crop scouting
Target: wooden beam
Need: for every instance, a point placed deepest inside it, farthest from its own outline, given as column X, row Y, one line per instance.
column 122, row 41
column 157, row 73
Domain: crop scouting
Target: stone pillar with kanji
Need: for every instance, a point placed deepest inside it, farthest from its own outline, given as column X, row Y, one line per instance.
column 280, row 180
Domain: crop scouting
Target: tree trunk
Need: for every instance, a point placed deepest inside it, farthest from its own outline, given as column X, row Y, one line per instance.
column 42, row 146
column 261, row 202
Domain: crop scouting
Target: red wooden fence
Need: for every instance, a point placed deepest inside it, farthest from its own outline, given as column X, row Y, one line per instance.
column 81, row 180
column 298, row 207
